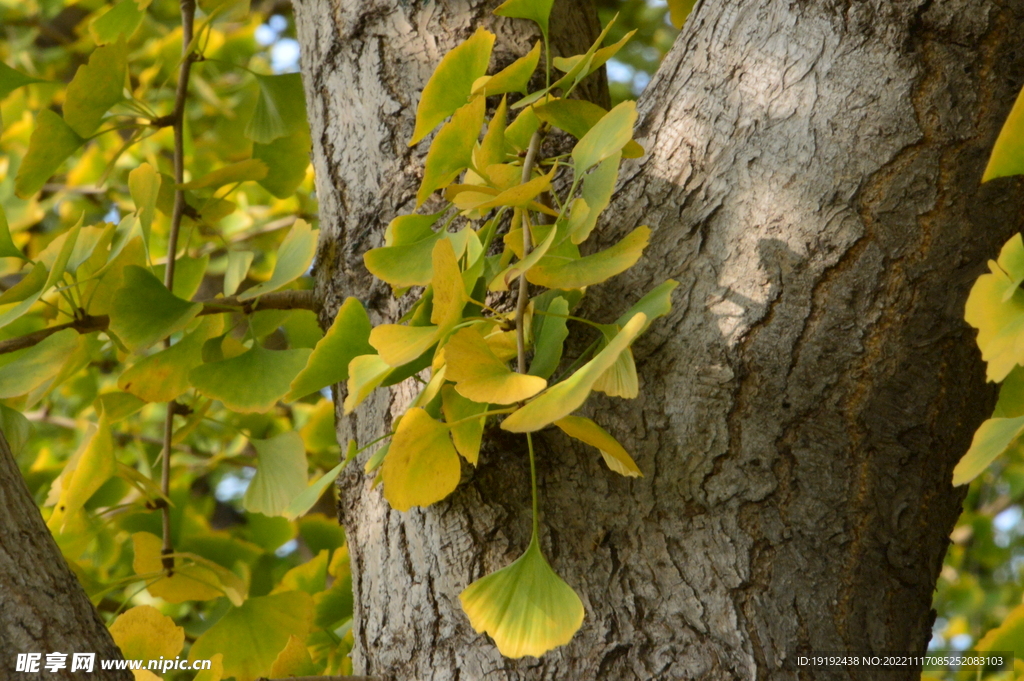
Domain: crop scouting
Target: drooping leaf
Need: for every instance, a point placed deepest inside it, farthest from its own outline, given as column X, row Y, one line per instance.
column 308, row 497
column 33, row 366
column 422, row 466
column 280, row 474
column 347, row 338
column 467, row 435
column 994, row 437
column 614, row 454
column 12, row 79
column 144, row 311
column 238, row 267
column 995, row 307
column 565, row 397
column 491, row 150
column 280, row 110
column 451, row 83
column 452, row 149
column 91, row 466
column 287, row 158
column 534, row 10
column 145, row 633
column 551, row 334
column 163, row 376
column 513, row 272
column 1008, row 153
column 561, row 273
column 253, row 381
column 293, row 260
column 482, row 377
column 607, row 137
column 251, row 637
column 513, row 78
column 121, row 20
column 96, row 87
column 51, row 143
column 525, row 607
column 577, row 117
column 521, row 194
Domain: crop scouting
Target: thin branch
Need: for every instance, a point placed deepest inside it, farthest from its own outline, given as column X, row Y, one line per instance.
column 524, row 295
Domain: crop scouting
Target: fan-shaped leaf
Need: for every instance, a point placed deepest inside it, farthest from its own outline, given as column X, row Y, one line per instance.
column 557, row 272
column 607, row 137
column 96, row 87
column 280, row 474
column 452, row 150
column 253, row 381
column 422, row 466
column 347, row 338
column 163, row 376
column 467, row 435
column 51, row 143
column 144, row 311
column 585, row 430
column 482, row 377
column 293, row 260
column 145, row 633
column 280, row 110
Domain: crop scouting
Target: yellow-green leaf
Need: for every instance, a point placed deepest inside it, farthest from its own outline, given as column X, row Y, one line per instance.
column 452, row 150
column 293, row 260
column 280, row 474
column 188, row 583
column 237, row 268
column 607, row 137
column 562, row 273
column 580, row 66
column 347, row 338
column 306, row 499
column 397, row 344
column 280, row 110
column 515, row 77
column 551, row 333
column 188, row 275
column 525, row 607
column 7, row 247
column 449, row 289
column 994, row 437
column 91, row 466
column 521, row 194
column 565, row 397
column 520, row 131
column 163, row 376
column 118, row 405
column 467, row 435
column 679, row 10
column 120, row 20
column 243, row 171
column 144, row 311
column 96, row 87
column 287, row 158
column 51, row 143
column 29, row 368
column 451, row 83
column 536, row 10
column 145, row 633
column 614, row 454
column 365, row 374
column 405, row 264
column 482, row 377
column 12, row 79
column 1008, row 153
column 253, row 381
column 995, row 307
column 1009, row 635
column 422, row 466
column 491, row 151
column 251, row 637
column 577, row 117
column 293, row 660
column 144, row 185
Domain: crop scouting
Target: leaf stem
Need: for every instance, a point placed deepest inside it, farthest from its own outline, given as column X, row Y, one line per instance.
column 533, row 488
column 524, row 295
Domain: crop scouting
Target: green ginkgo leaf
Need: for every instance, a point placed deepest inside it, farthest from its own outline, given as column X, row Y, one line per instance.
column 121, row 20
column 243, row 171
column 237, row 268
column 280, row 110
column 86, row 471
column 144, row 311
column 144, row 185
column 422, row 466
column 308, row 497
column 513, row 78
column 535, row 10
column 1009, row 635
column 253, row 381
column 51, row 143
column 551, row 332
column 347, row 338
column 251, row 636
column 520, row 131
column 287, row 158
column 188, row 275
column 580, row 66
column 525, row 607
column 577, row 117
column 96, row 87
column 365, row 374
column 451, row 152
column 293, row 260
column 7, row 247
column 280, row 474
column 614, row 454
column 556, row 272
column 405, row 264
column 994, row 437
column 607, row 137
column 1008, row 153
column 29, row 368
column 468, row 434
column 565, row 397
column 491, row 150
column 480, row 376
column 163, row 376
column 12, row 79
column 451, row 83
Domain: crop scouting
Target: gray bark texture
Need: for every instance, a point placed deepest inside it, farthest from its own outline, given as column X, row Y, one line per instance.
column 812, row 180
column 43, row 608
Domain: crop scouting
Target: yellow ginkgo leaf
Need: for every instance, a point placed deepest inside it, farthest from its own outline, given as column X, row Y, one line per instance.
column 468, row 434
column 365, row 373
column 294, row 660
column 91, row 466
column 614, row 454
column 397, row 344
column 144, row 633
column 188, row 583
column 555, row 272
column 422, row 466
column 995, row 307
column 482, row 377
column 526, row 607
column 216, row 670
column 449, row 289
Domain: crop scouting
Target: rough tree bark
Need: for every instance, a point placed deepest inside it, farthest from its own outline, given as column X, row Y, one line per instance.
column 813, row 182
column 43, row 609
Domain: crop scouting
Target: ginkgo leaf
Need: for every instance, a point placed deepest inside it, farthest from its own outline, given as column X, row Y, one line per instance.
column 12, row 79
column 144, row 185
column 451, row 83
column 347, row 338
column 188, row 275
column 144, row 311
column 522, row 194
column 565, row 397
column 577, row 117
column 243, row 171
column 120, row 20
column 280, row 474
column 51, row 143
column 163, row 376
column 513, row 272
column 308, row 497
column 91, row 466
column 515, row 77
column 551, row 333
column 293, row 660
column 468, row 434
column 607, row 137
column 422, row 466
column 26, row 369
column 7, row 247
column 310, row 577
column 535, row 10
column 96, row 87
column 253, row 381
column 520, row 131
column 452, row 149
column 1009, row 635
column 215, row 672
column 482, row 377
column 449, row 288
column 992, row 438
column 1008, row 153
column 190, row 581
column 251, row 637
column 237, row 268
column 491, row 150
column 614, row 454
column 620, row 380
column 118, row 405
column 405, row 264
column 555, row 272
column 995, row 307
column 293, row 260
column 679, row 10
column 145, row 633
column 397, row 344
column 280, row 109
column 287, row 159
column 580, row 66
column 525, row 607
column 365, row 374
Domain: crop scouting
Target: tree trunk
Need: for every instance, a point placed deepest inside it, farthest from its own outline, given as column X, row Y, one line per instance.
column 812, row 180
column 43, row 608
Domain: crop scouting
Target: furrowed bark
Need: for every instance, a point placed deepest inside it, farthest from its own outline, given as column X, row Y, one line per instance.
column 812, row 180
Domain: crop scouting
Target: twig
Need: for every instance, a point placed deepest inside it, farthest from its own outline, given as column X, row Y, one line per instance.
column 524, row 294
